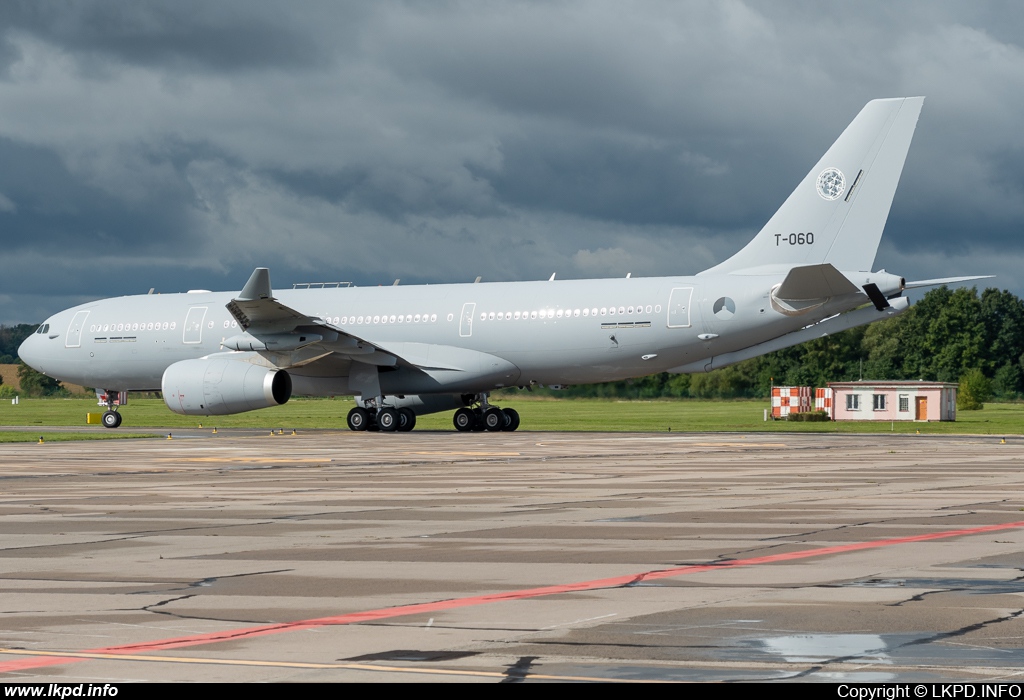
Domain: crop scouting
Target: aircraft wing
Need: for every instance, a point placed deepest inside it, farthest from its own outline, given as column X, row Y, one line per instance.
column 256, row 307
column 295, row 339
column 273, row 327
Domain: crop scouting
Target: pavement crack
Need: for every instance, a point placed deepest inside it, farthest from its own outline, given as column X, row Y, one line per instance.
column 828, row 529
column 130, row 536
column 152, row 608
column 919, row 597
column 941, row 636
column 149, row 608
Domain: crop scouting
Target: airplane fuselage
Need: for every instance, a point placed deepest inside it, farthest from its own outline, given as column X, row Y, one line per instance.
column 550, row 333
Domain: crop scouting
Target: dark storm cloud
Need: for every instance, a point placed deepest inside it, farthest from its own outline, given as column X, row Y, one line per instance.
column 226, row 36
column 392, row 193
column 616, row 177
column 48, row 208
column 178, row 144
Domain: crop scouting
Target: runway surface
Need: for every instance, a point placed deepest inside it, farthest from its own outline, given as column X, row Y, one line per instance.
column 512, row 557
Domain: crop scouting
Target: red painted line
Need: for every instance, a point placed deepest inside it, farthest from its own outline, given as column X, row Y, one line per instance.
column 438, row 606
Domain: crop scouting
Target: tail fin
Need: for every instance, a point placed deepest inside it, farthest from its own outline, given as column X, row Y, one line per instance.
column 837, row 213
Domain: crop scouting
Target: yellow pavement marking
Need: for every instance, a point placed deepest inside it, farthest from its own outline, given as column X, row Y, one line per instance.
column 310, row 665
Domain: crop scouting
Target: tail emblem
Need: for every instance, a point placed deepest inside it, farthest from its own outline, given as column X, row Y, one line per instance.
column 831, row 184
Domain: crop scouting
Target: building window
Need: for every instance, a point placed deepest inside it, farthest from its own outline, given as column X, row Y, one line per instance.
column 878, row 401
column 853, row 402
column 904, row 403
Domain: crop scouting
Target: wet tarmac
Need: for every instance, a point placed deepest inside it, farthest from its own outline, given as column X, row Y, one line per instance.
column 337, row 556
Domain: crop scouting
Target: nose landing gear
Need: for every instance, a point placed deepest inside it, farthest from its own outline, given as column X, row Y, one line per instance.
column 112, row 400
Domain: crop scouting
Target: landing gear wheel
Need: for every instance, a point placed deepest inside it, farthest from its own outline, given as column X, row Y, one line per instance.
column 464, row 420
column 111, row 419
column 358, row 419
column 511, row 419
column 493, row 419
column 387, row 419
column 478, row 426
column 406, row 420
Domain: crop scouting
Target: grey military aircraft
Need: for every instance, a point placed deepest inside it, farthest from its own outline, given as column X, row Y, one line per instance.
column 404, row 351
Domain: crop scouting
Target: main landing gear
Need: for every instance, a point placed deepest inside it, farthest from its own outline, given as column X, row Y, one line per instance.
column 484, row 417
column 476, row 415
column 386, row 420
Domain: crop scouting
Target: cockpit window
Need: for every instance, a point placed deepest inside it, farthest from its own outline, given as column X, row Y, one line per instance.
column 45, row 328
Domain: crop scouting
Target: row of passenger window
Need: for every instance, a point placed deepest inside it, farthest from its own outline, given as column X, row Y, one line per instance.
column 566, row 313
column 155, row 326
column 361, row 320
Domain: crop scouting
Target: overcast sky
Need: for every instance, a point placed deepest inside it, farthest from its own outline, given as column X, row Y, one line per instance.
column 179, row 144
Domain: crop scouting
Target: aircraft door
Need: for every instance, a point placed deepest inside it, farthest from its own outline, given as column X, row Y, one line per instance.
column 679, row 307
column 466, row 321
column 75, row 328
column 193, row 333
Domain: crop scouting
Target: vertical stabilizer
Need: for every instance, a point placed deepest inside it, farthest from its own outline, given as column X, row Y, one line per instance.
column 837, row 213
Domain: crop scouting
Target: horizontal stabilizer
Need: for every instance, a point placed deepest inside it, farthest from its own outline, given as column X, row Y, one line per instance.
column 814, row 282
column 945, row 280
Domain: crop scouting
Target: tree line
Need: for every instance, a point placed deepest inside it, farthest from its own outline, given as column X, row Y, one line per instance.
column 943, row 337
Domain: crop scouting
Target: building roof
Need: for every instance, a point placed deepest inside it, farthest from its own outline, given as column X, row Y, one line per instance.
column 918, row 384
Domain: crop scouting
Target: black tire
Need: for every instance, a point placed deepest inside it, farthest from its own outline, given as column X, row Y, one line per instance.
column 406, row 420
column 387, row 419
column 464, row 420
column 511, row 419
column 111, row 419
column 493, row 419
column 358, row 419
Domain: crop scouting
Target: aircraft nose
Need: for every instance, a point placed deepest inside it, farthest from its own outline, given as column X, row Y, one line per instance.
column 29, row 351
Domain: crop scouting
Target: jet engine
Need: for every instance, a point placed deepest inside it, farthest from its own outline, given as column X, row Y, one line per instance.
column 217, row 386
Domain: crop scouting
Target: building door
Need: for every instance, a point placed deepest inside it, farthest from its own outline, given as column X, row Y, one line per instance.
column 921, row 408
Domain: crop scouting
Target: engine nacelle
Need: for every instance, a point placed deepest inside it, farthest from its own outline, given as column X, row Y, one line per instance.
column 217, row 386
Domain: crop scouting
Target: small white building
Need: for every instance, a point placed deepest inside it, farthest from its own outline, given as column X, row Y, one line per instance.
column 889, row 401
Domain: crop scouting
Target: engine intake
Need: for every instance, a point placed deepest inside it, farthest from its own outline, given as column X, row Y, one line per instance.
column 218, row 386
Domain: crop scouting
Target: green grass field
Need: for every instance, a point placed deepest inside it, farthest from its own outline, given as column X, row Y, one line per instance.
column 537, row 414
column 69, row 436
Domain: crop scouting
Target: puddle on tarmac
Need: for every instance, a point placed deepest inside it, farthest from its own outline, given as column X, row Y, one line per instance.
column 874, row 649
